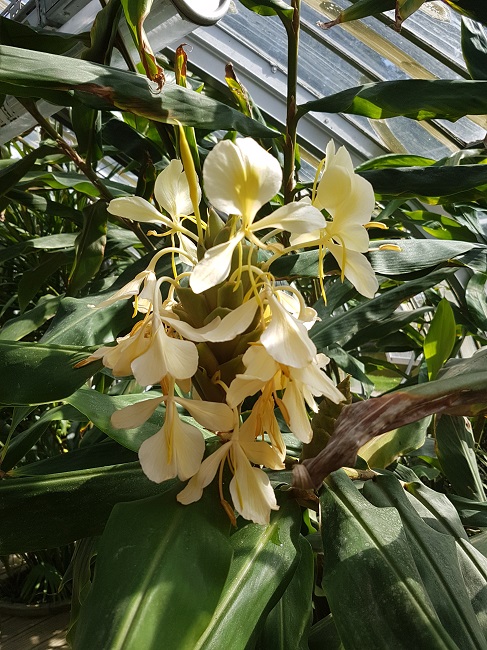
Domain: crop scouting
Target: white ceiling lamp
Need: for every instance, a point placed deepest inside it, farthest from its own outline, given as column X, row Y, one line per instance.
column 168, row 23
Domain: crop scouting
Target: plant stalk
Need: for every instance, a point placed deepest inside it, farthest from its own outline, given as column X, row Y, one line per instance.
column 292, row 28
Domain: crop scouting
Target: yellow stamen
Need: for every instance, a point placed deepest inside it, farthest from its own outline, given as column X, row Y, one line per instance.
column 191, row 175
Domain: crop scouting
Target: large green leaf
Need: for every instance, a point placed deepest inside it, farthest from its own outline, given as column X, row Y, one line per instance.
column 434, row 184
column 371, row 581
column 440, row 338
column 35, row 74
column 90, row 246
column 36, row 373
column 474, row 48
column 49, row 511
column 418, row 99
column 99, row 408
column 455, row 447
column 343, row 326
column 11, row 175
column 18, row 327
column 477, row 299
column 162, row 585
column 265, row 558
column 461, row 390
column 33, row 279
column 435, row 556
column 287, row 625
column 23, row 35
column 49, row 242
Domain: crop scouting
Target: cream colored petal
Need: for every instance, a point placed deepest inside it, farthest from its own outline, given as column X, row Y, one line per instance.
column 357, row 270
column 294, row 217
column 236, row 322
column 215, row 265
column 239, row 178
column 120, row 358
column 298, row 417
column 353, row 236
column 259, row 363
column 204, row 476
column 302, row 240
column 136, row 208
column 261, row 453
column 135, row 415
column 252, row 493
column 214, row 416
column 151, row 289
column 241, row 387
column 188, row 247
column 171, row 190
column 154, row 459
column 335, row 185
column 165, row 355
column 129, row 290
column 188, row 448
column 286, row 339
column 358, row 205
column 317, row 382
column 199, row 334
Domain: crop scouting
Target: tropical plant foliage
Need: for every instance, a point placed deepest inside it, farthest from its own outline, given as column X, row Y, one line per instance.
column 182, row 300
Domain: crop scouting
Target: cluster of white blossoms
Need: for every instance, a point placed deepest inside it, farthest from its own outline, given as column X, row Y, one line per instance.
column 228, row 330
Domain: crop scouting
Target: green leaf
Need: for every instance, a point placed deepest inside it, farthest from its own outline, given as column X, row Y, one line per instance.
column 30, row 38
column 383, row 450
column 405, row 8
column 418, row 99
column 324, row 634
column 20, row 326
column 99, row 408
column 416, row 255
column 395, row 160
column 477, row 300
column 163, row 583
column 76, row 322
column 360, row 9
column 265, row 558
column 33, row 279
column 440, row 339
column 29, row 74
column 52, row 510
column 11, row 175
column 136, row 11
column 25, row 440
column 436, row 558
column 50, row 242
column 474, row 48
column 340, row 328
column 37, row 373
column 269, row 8
column 367, row 547
column 90, row 246
column 455, row 447
column 286, row 626
column 432, row 183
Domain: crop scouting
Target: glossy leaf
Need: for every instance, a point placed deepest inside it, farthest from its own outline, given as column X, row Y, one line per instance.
column 286, row 627
column 435, row 556
column 49, row 242
column 474, row 48
column 42, row 514
column 265, row 558
column 20, row 326
column 360, row 9
column 23, row 35
column 418, row 99
column 89, row 246
column 440, row 338
column 37, row 373
column 99, row 408
column 28, row 74
column 382, row 451
column 324, row 634
column 476, row 299
column 25, row 440
column 367, row 546
column 455, row 447
column 343, row 326
column 163, row 583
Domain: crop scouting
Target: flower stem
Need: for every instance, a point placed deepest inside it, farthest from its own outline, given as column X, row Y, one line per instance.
column 292, row 29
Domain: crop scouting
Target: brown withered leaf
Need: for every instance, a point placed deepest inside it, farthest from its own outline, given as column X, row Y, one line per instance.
column 462, row 394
